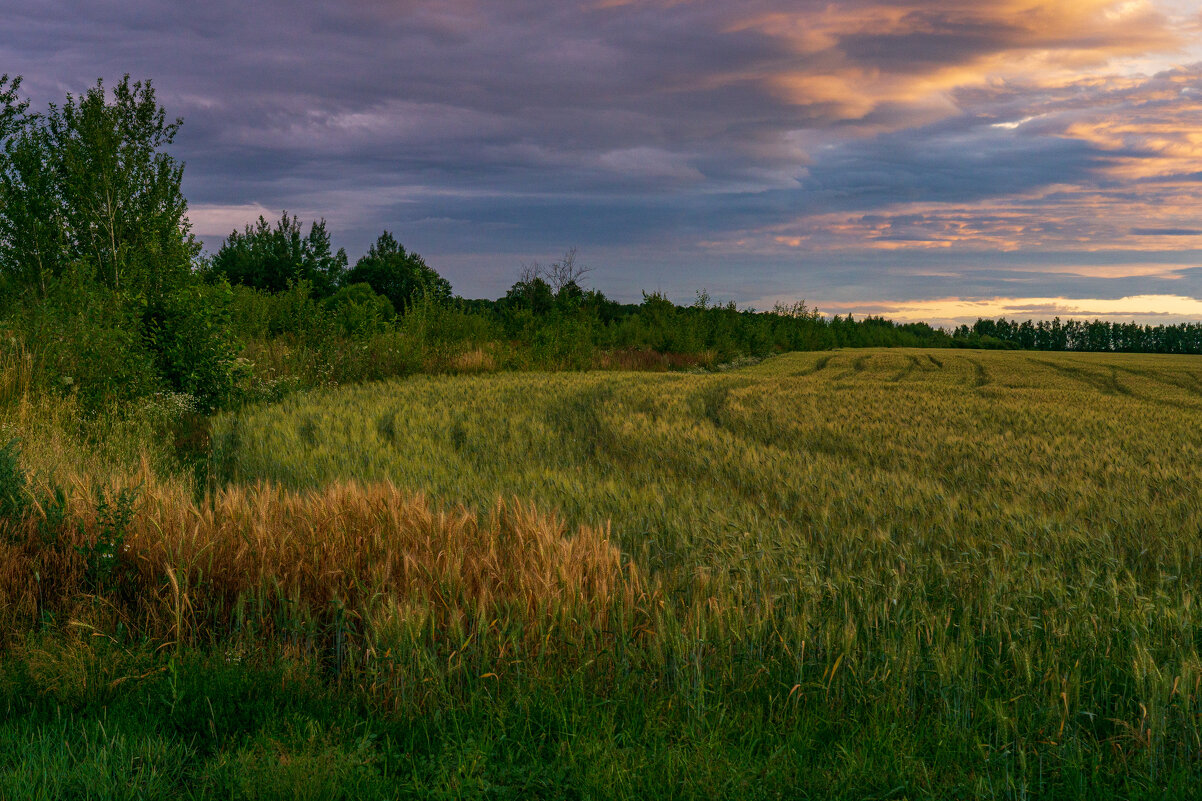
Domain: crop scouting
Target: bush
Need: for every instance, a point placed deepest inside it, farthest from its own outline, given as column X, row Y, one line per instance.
column 197, row 351
column 358, row 312
column 88, row 341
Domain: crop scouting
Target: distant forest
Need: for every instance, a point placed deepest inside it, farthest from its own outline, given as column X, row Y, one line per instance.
column 105, row 293
column 1078, row 335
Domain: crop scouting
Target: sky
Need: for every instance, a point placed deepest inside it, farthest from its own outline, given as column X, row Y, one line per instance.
column 923, row 159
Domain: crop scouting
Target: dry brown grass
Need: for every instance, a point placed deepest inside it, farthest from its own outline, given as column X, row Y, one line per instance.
column 477, row 360
column 650, row 360
column 16, row 370
column 270, row 563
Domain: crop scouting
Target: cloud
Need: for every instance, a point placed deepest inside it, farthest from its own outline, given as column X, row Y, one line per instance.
column 214, row 221
column 760, row 145
column 1094, row 164
column 1167, row 231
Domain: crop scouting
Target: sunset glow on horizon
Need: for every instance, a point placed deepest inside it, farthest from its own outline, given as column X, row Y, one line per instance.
column 908, row 157
column 1143, row 309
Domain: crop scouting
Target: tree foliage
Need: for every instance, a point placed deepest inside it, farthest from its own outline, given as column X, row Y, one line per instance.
column 96, row 254
column 1081, row 335
column 90, row 183
column 358, row 311
column 273, row 257
column 194, row 342
column 399, row 275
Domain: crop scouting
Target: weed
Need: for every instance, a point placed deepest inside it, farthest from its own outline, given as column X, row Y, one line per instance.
column 104, row 551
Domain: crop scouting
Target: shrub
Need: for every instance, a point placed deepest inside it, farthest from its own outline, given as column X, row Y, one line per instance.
column 357, row 311
column 197, row 352
column 88, row 341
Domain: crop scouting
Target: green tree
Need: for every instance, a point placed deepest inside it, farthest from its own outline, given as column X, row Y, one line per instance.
column 95, row 240
column 530, row 293
column 273, row 257
column 30, row 236
column 12, row 107
column 402, row 277
column 90, row 183
column 34, row 240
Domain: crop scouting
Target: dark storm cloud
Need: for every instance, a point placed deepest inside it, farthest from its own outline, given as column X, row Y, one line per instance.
column 685, row 142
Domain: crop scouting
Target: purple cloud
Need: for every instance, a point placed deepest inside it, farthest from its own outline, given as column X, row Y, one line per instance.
column 762, row 146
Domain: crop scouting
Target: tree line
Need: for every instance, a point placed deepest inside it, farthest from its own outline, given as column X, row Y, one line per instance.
column 1080, row 335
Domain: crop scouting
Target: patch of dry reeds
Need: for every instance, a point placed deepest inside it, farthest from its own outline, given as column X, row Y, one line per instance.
column 476, row 360
column 270, row 563
column 651, row 360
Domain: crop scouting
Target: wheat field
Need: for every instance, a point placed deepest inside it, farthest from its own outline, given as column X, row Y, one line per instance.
column 909, row 574
column 1002, row 548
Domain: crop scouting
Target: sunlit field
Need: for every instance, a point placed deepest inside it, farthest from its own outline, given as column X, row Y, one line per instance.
column 881, row 573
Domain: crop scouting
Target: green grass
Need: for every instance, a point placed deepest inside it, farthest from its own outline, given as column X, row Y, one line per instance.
column 202, row 728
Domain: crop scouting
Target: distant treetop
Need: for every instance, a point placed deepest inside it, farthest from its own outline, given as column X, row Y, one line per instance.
column 271, row 257
column 402, row 277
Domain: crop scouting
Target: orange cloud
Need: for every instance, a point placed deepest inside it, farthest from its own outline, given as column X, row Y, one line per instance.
column 857, row 57
column 1137, row 188
column 1075, row 221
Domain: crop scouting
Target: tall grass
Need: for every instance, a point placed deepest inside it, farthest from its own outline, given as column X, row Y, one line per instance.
column 269, row 566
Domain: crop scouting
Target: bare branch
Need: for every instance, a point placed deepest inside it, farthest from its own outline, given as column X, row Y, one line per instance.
column 566, row 271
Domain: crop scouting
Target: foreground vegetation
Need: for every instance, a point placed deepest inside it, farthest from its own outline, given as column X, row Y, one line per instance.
column 911, row 574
